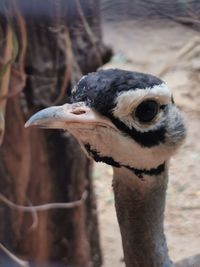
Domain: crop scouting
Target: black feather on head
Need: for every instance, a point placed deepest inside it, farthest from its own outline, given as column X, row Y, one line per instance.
column 100, row 89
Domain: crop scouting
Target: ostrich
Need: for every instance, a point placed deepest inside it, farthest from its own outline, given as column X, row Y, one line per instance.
column 128, row 120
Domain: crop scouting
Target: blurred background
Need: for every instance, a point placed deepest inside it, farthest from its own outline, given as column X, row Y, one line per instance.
column 45, row 48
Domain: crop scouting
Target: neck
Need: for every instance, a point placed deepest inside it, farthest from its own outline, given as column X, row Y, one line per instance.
column 140, row 208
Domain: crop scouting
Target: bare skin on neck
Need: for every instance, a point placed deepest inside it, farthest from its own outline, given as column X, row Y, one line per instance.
column 140, row 208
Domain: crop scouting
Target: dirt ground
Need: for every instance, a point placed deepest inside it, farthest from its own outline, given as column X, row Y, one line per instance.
column 150, row 47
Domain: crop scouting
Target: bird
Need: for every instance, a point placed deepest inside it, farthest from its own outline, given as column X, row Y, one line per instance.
column 128, row 120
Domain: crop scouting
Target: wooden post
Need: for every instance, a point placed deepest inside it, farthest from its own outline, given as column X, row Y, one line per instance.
column 39, row 167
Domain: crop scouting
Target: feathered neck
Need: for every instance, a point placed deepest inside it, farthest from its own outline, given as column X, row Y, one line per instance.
column 140, row 208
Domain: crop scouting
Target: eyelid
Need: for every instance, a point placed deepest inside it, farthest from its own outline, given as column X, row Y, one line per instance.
column 126, row 104
column 161, row 100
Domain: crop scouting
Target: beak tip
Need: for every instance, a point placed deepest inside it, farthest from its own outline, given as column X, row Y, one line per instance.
column 31, row 122
column 27, row 124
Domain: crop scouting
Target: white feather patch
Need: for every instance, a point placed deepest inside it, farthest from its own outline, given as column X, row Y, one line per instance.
column 123, row 149
column 127, row 101
column 76, row 86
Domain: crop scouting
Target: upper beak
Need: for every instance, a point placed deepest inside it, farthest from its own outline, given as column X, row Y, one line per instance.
column 68, row 116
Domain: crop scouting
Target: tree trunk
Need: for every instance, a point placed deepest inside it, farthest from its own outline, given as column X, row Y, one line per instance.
column 58, row 41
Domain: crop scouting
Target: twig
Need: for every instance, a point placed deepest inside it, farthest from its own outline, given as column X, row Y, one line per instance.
column 44, row 207
column 190, row 207
column 185, row 20
column 13, row 257
column 64, row 36
column 16, row 72
column 35, row 219
column 5, row 79
column 88, row 31
column 22, row 27
column 183, row 52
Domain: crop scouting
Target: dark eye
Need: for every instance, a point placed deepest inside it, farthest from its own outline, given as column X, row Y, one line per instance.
column 146, row 111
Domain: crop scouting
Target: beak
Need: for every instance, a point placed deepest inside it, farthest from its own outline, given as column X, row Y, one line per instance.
column 69, row 116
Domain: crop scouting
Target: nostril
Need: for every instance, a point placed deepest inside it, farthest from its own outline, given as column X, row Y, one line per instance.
column 78, row 111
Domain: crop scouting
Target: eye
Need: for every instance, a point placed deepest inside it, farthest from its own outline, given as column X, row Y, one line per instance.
column 147, row 111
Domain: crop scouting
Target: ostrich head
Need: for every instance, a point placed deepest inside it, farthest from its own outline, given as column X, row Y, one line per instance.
column 125, row 119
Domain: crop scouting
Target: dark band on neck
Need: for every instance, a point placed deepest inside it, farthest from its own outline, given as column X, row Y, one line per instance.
column 151, row 172
column 110, row 161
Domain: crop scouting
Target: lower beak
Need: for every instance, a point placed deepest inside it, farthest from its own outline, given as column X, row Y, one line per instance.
column 68, row 116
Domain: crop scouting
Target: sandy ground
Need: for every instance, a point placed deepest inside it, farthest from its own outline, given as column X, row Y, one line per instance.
column 149, row 47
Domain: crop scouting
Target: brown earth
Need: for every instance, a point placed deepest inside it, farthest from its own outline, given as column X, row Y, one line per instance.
column 150, row 47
